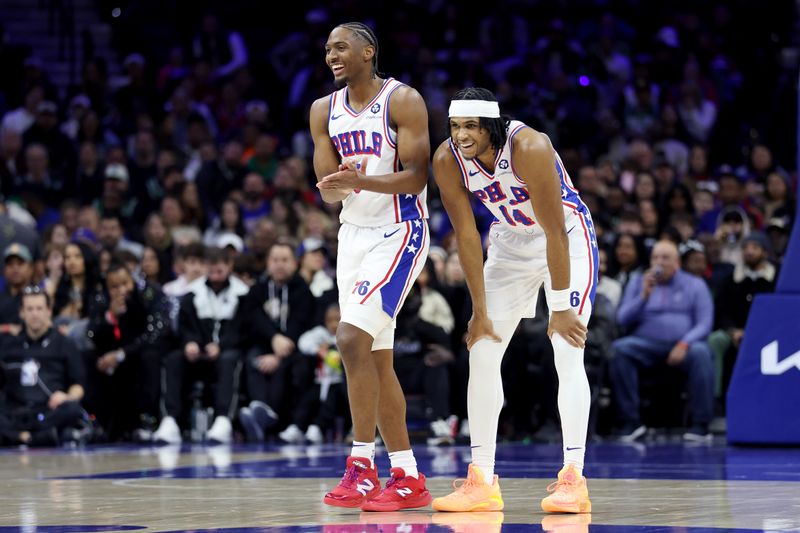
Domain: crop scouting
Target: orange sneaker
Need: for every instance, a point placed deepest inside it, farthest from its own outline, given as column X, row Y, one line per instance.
column 569, row 494
column 567, row 523
column 473, row 495
column 476, row 522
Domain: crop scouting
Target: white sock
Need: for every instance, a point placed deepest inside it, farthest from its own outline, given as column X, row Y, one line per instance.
column 405, row 459
column 365, row 450
column 485, row 396
column 574, row 400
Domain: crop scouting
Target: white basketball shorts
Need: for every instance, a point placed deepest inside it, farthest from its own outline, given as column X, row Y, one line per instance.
column 516, row 267
column 375, row 270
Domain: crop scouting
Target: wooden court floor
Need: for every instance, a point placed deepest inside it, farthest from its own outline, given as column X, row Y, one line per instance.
column 659, row 487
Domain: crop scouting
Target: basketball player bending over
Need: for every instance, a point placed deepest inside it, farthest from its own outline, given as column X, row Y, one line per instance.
column 544, row 236
column 371, row 151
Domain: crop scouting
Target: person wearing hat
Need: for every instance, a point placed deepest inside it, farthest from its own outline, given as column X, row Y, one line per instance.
column 732, row 226
column 755, row 275
column 18, row 273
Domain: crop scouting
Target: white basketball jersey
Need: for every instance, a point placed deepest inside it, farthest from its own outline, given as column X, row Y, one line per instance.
column 368, row 133
column 505, row 193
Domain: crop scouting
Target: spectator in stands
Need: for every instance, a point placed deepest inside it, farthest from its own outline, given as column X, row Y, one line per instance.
column 279, row 308
column 755, row 275
column 628, row 258
column 209, row 326
column 43, row 376
column 422, row 356
column 76, row 292
column 328, row 398
column 129, row 326
column 18, row 274
column 10, row 159
column 666, row 315
column 190, row 265
column 223, row 49
column 112, row 237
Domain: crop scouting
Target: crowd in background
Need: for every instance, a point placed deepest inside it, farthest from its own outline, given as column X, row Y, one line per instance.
column 171, row 219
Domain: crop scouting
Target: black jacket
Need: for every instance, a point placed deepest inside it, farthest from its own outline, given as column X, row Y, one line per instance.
column 206, row 316
column 294, row 305
column 58, row 367
column 144, row 324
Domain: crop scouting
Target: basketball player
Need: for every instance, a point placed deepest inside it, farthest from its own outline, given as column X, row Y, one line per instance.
column 371, row 151
column 543, row 235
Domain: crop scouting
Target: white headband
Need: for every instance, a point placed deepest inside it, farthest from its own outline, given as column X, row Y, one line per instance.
column 474, row 108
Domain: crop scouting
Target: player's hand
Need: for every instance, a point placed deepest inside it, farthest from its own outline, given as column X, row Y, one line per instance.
column 567, row 324
column 480, row 327
column 348, row 178
column 677, row 354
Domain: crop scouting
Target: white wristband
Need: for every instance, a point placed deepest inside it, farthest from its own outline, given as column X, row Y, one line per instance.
column 559, row 300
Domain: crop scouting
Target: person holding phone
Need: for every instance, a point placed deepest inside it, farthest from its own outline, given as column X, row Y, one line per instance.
column 668, row 314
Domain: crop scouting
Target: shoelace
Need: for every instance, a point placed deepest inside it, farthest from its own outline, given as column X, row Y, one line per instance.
column 561, row 484
column 392, row 482
column 466, row 484
column 350, row 476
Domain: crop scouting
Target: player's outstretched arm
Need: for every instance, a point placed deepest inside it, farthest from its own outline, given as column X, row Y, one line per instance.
column 456, row 200
column 326, row 160
column 410, row 118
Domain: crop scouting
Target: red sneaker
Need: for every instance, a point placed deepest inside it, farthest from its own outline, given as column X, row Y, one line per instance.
column 401, row 492
column 359, row 483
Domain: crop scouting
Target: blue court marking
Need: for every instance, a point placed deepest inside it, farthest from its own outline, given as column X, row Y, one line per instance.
column 603, row 460
column 66, row 529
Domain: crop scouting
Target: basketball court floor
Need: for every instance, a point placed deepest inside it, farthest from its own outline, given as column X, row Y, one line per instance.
column 659, row 487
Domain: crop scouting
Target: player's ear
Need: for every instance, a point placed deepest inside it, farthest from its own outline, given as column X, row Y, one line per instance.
column 368, row 53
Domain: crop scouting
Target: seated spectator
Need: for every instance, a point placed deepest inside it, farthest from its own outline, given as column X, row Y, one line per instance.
column 422, row 356
column 735, row 296
column 189, row 265
column 76, row 292
column 668, row 315
column 279, row 308
column 129, row 326
column 210, row 336
column 43, row 375
column 327, row 400
column 18, row 274
column 112, row 236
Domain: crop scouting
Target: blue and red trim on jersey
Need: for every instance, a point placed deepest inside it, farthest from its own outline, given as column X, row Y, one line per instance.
column 591, row 285
column 511, row 153
column 460, row 163
column 352, row 112
column 387, row 127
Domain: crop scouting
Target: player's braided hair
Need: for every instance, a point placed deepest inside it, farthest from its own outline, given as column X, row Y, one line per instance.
column 365, row 32
column 497, row 127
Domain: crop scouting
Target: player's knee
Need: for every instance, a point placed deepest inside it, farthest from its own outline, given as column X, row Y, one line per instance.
column 354, row 344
